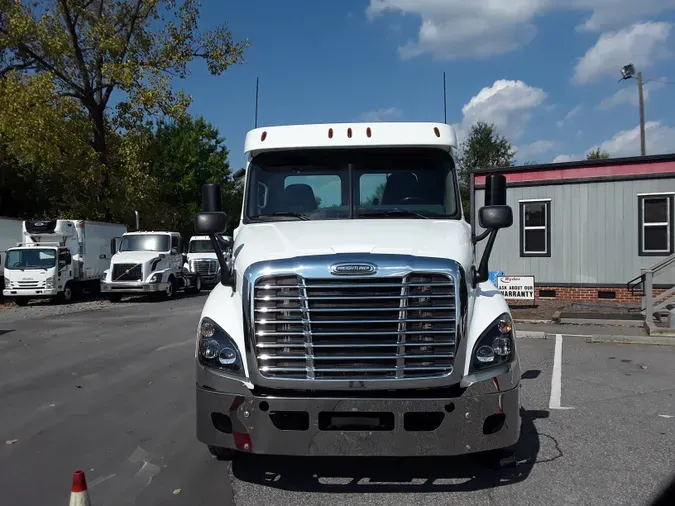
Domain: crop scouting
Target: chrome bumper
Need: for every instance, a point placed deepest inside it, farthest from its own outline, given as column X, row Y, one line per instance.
column 133, row 287
column 481, row 418
column 30, row 292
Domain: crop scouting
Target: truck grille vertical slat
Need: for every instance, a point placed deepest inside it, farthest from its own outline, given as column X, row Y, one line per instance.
column 356, row 328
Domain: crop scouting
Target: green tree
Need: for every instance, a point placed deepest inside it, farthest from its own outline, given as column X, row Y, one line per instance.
column 484, row 148
column 597, row 154
column 185, row 155
column 91, row 48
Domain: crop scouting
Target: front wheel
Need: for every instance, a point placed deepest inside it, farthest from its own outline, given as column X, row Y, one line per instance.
column 170, row 292
column 66, row 296
column 221, row 453
column 197, row 286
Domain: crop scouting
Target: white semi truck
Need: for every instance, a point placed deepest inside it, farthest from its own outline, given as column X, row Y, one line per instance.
column 355, row 318
column 149, row 263
column 202, row 260
column 59, row 258
column 11, row 230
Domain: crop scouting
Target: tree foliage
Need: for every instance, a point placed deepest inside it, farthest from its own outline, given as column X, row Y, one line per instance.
column 598, row 154
column 64, row 59
column 484, row 148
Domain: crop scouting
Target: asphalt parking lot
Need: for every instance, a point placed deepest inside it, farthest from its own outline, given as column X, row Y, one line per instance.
column 111, row 391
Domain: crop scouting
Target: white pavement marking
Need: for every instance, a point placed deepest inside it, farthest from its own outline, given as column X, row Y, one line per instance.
column 556, row 376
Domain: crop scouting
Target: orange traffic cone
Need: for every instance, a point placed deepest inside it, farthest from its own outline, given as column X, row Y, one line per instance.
column 79, row 496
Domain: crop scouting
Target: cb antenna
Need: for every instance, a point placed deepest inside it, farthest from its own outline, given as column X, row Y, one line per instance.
column 445, row 102
column 256, row 101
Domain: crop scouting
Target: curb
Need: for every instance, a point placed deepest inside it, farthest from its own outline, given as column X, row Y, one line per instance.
column 646, row 340
column 519, row 320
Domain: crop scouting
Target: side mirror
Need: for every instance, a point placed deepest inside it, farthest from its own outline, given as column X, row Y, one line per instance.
column 495, row 217
column 211, row 223
column 174, row 251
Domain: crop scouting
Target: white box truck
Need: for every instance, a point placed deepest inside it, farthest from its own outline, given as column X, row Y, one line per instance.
column 10, row 234
column 202, row 260
column 149, row 263
column 59, row 258
column 355, row 318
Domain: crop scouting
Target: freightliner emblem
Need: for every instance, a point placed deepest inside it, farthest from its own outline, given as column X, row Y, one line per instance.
column 353, row 269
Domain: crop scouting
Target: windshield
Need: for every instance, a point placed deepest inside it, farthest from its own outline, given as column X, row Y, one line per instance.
column 352, row 183
column 149, row 242
column 33, row 258
column 201, row 246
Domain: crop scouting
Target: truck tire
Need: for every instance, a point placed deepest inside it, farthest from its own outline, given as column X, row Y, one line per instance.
column 66, row 296
column 171, row 289
column 115, row 297
column 21, row 301
column 221, row 453
column 197, row 287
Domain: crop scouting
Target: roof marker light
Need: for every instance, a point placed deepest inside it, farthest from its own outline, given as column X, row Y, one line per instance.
column 330, row 133
column 369, row 133
column 437, row 132
column 263, row 136
column 349, row 133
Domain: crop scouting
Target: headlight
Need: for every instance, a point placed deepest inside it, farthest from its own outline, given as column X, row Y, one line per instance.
column 103, row 276
column 495, row 346
column 156, row 277
column 49, row 282
column 216, row 349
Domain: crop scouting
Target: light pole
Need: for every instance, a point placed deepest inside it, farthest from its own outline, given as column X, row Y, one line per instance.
column 628, row 72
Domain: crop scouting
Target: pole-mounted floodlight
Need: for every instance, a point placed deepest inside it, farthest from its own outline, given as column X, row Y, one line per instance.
column 628, row 71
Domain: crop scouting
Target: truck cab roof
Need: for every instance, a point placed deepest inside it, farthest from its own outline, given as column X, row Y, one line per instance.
column 350, row 135
column 144, row 232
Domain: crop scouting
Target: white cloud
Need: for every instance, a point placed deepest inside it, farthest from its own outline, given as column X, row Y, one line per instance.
column 507, row 104
column 452, row 29
column 641, row 44
column 659, row 139
column 523, row 153
column 387, row 114
column 629, row 95
column 571, row 114
column 563, row 158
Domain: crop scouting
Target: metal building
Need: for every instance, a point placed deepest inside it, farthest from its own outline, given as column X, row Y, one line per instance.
column 586, row 230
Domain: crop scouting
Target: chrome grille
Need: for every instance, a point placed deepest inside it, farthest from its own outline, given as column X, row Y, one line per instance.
column 205, row 266
column 127, row 272
column 357, row 328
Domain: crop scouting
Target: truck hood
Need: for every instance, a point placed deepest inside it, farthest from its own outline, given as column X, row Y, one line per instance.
column 430, row 238
column 134, row 257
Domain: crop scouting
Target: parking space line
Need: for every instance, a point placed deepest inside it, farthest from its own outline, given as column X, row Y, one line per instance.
column 556, row 376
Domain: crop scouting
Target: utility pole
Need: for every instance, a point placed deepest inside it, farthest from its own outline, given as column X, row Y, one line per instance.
column 643, row 146
column 445, row 102
column 257, row 81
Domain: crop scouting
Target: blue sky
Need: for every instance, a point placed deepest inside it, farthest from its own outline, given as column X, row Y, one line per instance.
column 544, row 71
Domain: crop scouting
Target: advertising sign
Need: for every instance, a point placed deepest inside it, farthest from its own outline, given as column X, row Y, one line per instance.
column 516, row 287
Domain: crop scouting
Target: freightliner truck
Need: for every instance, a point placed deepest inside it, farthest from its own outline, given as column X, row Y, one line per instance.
column 352, row 316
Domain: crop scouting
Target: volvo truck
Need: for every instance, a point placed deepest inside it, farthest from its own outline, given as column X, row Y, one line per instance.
column 202, row 260
column 149, row 263
column 352, row 316
column 58, row 259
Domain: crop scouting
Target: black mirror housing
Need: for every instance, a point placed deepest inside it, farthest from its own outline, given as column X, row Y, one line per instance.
column 211, row 223
column 495, row 217
column 495, row 190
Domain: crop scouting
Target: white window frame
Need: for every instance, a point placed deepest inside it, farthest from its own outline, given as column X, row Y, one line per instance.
column 668, row 197
column 546, row 227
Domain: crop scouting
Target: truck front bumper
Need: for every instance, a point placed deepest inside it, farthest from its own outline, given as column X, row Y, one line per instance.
column 34, row 293
column 481, row 418
column 132, row 287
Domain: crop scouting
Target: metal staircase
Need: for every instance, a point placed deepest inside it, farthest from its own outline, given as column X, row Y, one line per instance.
column 643, row 285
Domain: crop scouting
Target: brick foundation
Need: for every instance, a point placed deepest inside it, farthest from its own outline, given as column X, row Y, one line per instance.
column 589, row 293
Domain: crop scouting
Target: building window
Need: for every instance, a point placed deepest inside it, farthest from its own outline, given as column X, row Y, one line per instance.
column 535, row 228
column 655, row 224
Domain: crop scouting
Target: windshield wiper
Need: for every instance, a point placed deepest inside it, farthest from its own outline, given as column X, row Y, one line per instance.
column 392, row 212
column 291, row 214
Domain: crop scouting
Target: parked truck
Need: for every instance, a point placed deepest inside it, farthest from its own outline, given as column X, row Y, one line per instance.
column 202, row 260
column 59, row 258
column 10, row 233
column 352, row 317
column 149, row 263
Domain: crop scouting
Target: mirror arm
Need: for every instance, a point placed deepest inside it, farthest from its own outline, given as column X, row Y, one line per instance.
column 478, row 238
column 224, row 280
column 483, row 273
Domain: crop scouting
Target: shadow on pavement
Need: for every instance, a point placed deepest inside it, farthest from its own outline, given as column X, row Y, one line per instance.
column 391, row 475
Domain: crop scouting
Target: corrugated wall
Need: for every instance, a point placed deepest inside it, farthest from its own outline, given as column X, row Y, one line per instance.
column 594, row 233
